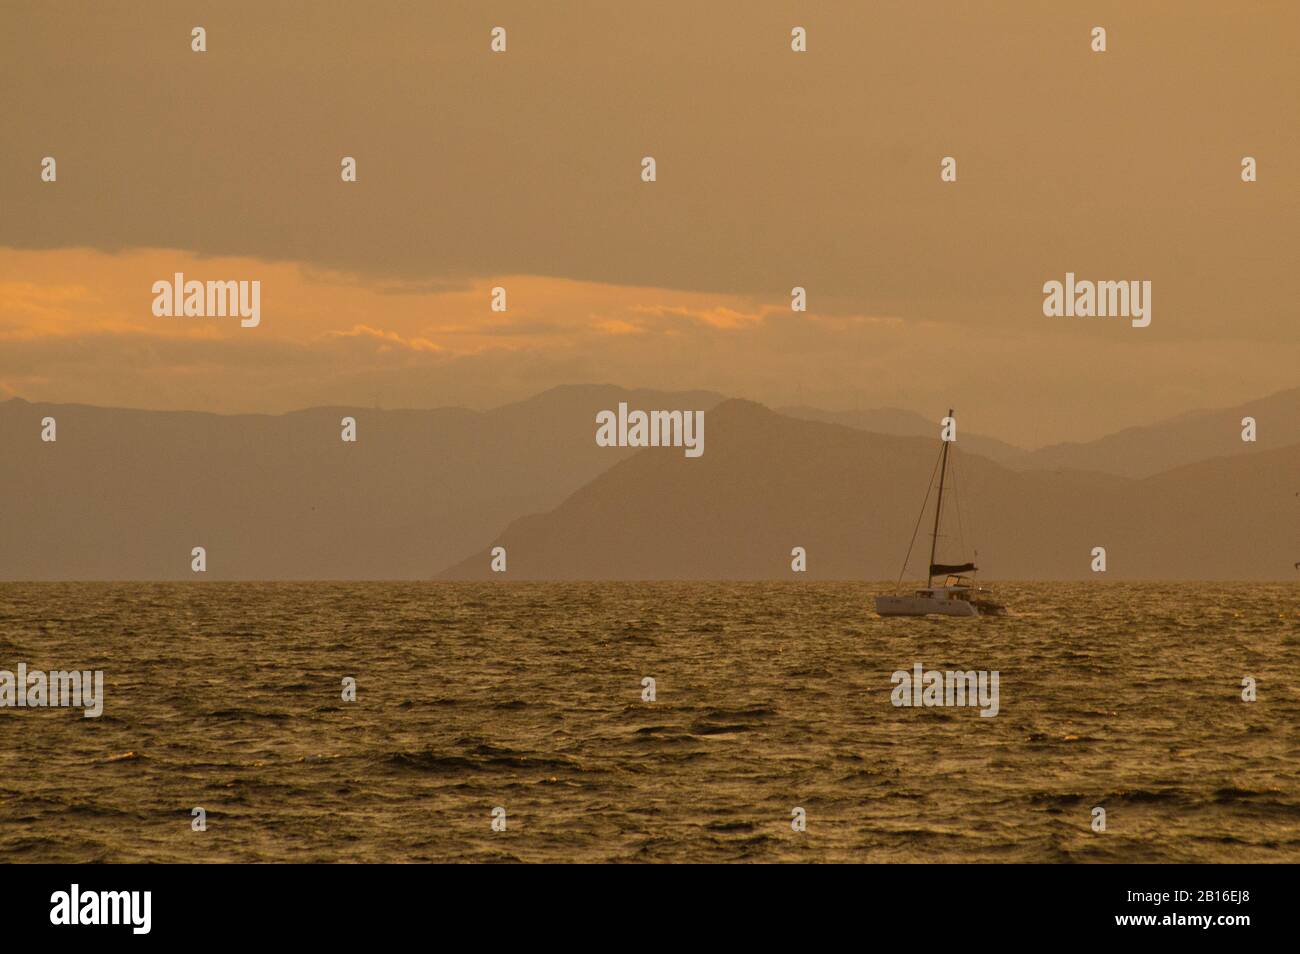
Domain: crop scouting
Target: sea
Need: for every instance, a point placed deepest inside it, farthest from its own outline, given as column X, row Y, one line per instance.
column 650, row 722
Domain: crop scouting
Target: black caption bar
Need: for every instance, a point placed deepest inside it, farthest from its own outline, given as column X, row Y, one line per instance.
column 141, row 904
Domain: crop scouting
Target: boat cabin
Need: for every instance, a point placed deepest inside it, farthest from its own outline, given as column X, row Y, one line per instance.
column 949, row 591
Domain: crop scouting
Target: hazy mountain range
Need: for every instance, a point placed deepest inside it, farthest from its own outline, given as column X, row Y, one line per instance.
column 125, row 494
column 1132, row 452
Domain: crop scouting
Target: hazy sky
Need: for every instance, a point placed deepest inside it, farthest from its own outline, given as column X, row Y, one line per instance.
column 775, row 169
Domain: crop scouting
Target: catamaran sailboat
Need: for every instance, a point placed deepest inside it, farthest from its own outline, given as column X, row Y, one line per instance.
column 958, row 596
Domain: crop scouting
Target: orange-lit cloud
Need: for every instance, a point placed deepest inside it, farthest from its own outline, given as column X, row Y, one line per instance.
column 334, row 338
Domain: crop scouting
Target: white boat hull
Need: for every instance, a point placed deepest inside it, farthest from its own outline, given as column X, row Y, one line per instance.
column 923, row 606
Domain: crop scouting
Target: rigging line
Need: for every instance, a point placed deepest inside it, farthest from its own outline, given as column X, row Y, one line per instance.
column 919, row 517
column 956, row 496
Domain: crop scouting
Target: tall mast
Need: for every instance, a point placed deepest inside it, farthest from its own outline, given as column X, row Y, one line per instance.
column 938, row 508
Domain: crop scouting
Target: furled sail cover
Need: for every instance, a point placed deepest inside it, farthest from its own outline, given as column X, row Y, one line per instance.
column 941, row 569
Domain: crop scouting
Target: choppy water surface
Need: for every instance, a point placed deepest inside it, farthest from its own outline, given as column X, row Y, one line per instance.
column 528, row 696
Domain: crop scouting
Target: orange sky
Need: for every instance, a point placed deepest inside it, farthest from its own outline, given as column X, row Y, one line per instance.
column 775, row 169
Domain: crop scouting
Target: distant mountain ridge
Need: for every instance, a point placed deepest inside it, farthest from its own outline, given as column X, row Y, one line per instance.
column 770, row 483
column 900, row 423
column 126, row 494
column 1140, row 451
column 1196, row 435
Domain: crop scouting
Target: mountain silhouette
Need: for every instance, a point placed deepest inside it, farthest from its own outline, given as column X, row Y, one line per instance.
column 126, row 494
column 1133, row 452
column 768, row 483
